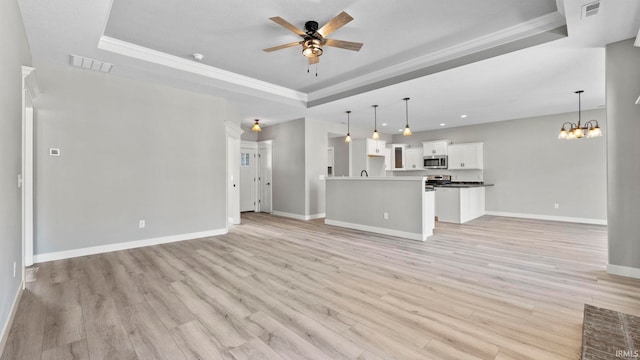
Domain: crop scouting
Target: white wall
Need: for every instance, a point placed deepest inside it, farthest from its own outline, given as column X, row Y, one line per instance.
column 15, row 54
column 341, row 156
column 532, row 169
column 623, row 88
column 129, row 151
column 288, row 175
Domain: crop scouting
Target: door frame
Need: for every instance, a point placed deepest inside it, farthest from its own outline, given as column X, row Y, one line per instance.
column 265, row 145
column 252, row 145
column 233, row 133
column 30, row 92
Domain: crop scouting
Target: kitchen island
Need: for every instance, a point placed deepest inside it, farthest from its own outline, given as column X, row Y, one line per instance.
column 460, row 202
column 399, row 206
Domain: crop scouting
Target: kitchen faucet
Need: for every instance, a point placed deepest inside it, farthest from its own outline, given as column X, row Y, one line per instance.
column 365, row 172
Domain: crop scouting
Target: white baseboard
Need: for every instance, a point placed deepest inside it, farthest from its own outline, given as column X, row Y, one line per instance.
column 297, row 216
column 549, row 217
column 623, row 271
column 12, row 314
column 379, row 230
column 315, row 216
column 59, row 255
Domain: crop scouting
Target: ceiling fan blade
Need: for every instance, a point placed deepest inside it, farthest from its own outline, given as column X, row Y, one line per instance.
column 314, row 60
column 284, row 46
column 284, row 23
column 335, row 24
column 349, row 45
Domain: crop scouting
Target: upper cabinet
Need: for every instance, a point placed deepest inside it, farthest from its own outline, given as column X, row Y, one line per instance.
column 413, row 159
column 467, row 156
column 375, row 147
column 398, row 156
column 439, row 147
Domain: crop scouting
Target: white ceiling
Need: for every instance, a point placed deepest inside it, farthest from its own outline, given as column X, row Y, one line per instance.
column 153, row 41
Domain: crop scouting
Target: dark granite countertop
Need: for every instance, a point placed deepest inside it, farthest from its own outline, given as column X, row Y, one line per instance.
column 464, row 185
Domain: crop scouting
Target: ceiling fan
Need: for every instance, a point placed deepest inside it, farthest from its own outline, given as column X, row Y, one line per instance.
column 314, row 38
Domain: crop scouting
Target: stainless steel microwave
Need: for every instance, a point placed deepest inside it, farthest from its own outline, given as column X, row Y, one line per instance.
column 435, row 162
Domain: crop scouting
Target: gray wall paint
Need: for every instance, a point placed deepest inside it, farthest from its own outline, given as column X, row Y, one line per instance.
column 248, row 135
column 402, row 200
column 316, row 144
column 532, row 169
column 340, row 156
column 129, row 151
column 288, row 192
column 15, row 53
column 623, row 88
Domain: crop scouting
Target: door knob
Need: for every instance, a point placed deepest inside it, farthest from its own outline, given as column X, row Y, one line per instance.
column 268, row 183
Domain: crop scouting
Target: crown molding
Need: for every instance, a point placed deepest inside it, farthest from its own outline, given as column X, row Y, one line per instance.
column 542, row 24
column 157, row 57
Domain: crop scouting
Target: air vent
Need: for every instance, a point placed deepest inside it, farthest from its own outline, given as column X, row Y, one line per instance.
column 590, row 9
column 90, row 64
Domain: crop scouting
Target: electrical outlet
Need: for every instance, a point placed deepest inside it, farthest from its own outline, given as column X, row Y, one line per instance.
column 385, row 215
column 556, row 206
column 141, row 224
column 14, row 269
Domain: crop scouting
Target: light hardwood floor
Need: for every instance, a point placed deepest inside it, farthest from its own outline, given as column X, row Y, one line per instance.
column 276, row 288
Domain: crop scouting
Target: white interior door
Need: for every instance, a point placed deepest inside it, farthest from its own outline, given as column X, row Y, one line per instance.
column 265, row 154
column 248, row 179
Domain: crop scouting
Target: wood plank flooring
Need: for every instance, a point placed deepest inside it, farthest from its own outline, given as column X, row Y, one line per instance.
column 277, row 288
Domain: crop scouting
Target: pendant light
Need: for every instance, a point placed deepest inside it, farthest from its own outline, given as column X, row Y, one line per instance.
column 407, row 130
column 347, row 139
column 256, row 127
column 376, row 135
column 570, row 131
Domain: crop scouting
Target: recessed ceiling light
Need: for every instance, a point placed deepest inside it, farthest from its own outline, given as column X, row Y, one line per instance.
column 463, row 116
column 401, row 130
column 384, row 124
column 443, row 124
column 198, row 56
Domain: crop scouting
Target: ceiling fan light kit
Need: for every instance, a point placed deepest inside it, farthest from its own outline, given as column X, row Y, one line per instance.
column 570, row 131
column 314, row 38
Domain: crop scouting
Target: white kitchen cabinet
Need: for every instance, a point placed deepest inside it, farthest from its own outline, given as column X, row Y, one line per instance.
column 376, row 147
column 398, row 160
column 459, row 205
column 439, row 147
column 413, row 159
column 467, row 156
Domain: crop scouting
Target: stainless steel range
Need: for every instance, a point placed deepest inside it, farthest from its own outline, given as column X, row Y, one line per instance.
column 438, row 179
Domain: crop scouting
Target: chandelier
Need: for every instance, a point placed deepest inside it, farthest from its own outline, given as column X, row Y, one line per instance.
column 570, row 131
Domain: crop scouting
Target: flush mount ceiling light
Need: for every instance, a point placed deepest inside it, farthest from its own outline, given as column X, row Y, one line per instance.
column 348, row 137
column 198, row 56
column 407, row 130
column 256, row 126
column 570, row 131
column 376, row 135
